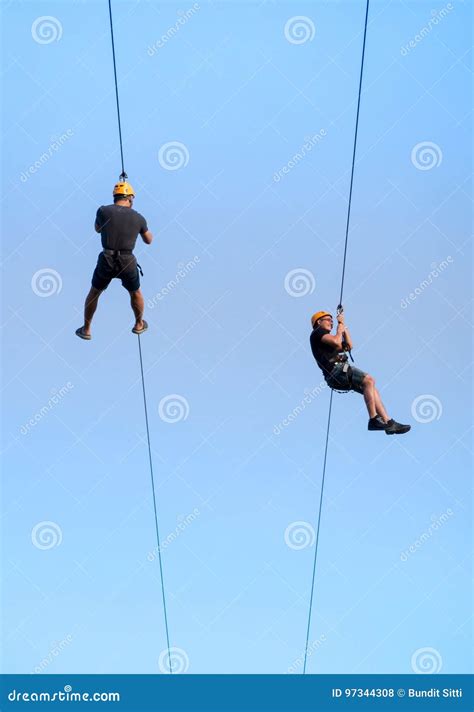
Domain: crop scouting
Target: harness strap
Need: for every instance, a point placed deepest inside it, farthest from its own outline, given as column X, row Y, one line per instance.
column 346, row 368
column 116, row 253
column 339, row 358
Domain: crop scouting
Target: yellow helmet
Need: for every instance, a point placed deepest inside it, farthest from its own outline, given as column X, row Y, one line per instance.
column 319, row 315
column 124, row 188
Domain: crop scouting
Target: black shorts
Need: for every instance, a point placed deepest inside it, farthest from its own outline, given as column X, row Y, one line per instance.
column 122, row 267
column 346, row 378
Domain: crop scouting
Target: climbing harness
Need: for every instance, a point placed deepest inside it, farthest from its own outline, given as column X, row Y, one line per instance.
column 124, row 188
column 345, row 369
column 340, row 307
column 116, row 253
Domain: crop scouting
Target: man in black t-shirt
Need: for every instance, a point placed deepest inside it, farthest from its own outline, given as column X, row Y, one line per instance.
column 330, row 353
column 119, row 226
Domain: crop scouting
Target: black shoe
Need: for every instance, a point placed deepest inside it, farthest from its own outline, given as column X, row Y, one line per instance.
column 394, row 428
column 377, row 424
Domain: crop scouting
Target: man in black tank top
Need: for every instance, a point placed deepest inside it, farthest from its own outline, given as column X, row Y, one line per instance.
column 119, row 226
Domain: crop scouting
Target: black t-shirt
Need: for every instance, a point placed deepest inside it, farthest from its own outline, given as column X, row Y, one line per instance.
column 119, row 226
column 322, row 352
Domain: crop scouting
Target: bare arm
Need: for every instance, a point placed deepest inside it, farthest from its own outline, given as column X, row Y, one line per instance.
column 147, row 237
column 336, row 340
column 348, row 339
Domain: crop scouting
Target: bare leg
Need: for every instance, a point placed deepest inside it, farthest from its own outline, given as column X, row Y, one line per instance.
column 379, row 406
column 90, row 306
column 368, row 389
column 138, row 306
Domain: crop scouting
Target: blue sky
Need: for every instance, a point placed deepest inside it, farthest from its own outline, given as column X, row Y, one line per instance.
column 216, row 99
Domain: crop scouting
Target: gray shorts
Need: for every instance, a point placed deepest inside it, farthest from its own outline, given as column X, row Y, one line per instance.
column 346, row 378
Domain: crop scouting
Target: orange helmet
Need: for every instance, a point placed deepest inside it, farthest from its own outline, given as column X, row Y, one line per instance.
column 124, row 188
column 319, row 315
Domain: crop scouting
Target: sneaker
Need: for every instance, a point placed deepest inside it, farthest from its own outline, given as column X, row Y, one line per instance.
column 377, row 424
column 394, row 428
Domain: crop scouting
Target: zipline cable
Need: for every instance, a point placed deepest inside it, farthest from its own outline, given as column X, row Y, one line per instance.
column 155, row 507
column 116, row 87
column 308, row 629
column 142, row 373
column 313, row 580
column 349, row 204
